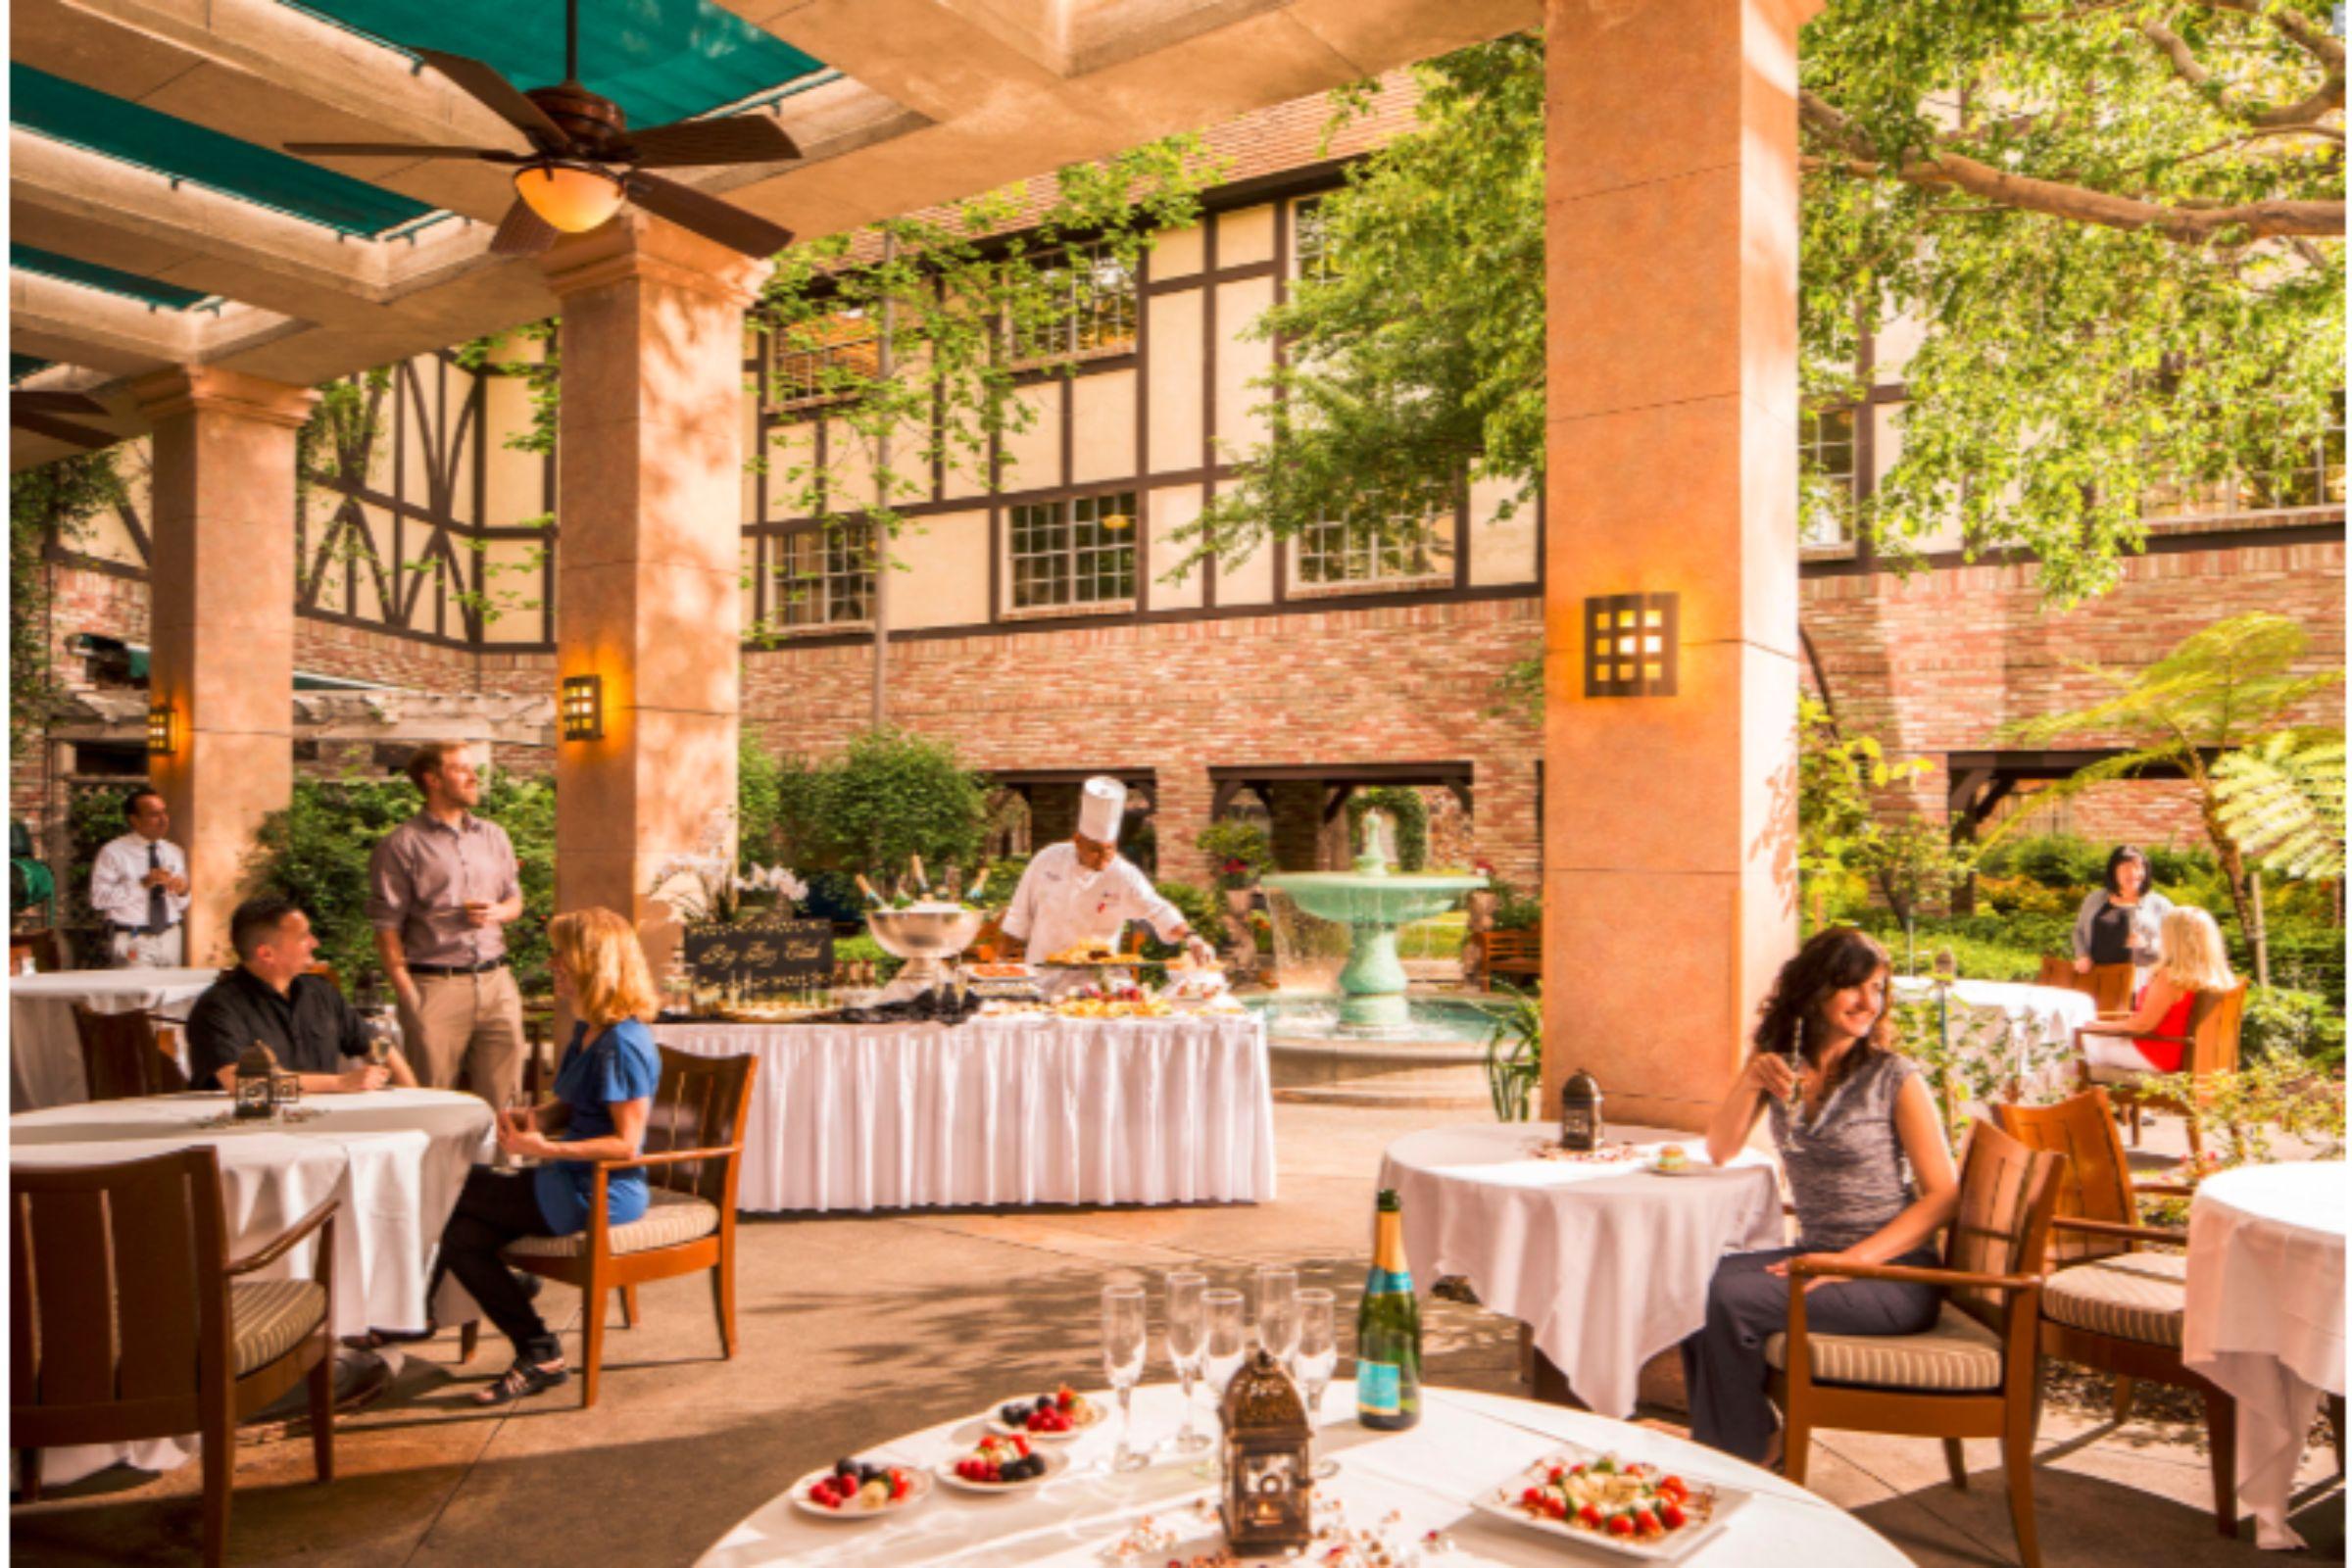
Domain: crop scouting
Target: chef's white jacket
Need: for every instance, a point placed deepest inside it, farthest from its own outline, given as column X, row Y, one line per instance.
column 1061, row 903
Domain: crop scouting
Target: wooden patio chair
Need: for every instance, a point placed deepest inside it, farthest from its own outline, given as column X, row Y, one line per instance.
column 325, row 972
column 694, row 1148
column 122, row 1057
column 1975, row 1373
column 130, row 1321
column 1513, row 954
column 2058, row 970
column 2211, row 1046
column 2109, row 1305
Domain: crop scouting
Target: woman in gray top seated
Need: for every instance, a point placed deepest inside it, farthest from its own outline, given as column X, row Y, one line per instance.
column 1868, row 1168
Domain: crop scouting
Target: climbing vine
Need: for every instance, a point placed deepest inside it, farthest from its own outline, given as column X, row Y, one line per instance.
column 52, row 502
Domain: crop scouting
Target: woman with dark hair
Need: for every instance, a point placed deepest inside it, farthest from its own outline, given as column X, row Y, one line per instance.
column 1868, row 1167
column 2119, row 921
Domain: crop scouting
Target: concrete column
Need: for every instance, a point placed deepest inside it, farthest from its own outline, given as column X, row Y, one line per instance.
column 649, row 541
column 222, row 620
column 1670, row 875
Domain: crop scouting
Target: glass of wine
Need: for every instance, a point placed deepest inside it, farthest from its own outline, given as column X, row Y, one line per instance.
column 1315, row 1357
column 1123, row 1344
column 1278, row 1312
column 1188, row 1342
column 1796, row 1103
column 1227, row 1347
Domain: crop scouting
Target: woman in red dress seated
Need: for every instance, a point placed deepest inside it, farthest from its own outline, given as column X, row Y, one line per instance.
column 2195, row 963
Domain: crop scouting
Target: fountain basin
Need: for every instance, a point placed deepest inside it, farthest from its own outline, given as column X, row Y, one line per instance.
column 1372, row 904
column 1435, row 1057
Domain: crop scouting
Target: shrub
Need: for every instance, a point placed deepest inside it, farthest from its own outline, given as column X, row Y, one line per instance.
column 1238, row 852
column 2019, row 895
column 892, row 795
column 1201, row 908
column 2292, row 1024
column 863, row 948
column 2053, row 859
column 1515, row 910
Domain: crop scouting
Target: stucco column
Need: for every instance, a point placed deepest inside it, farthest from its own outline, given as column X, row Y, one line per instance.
column 648, row 552
column 1669, row 877
column 220, row 620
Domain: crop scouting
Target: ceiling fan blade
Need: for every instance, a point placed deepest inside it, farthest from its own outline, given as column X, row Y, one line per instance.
column 59, row 430
column 390, row 149
column 745, row 139
column 522, row 232
column 501, row 95
column 38, row 401
column 708, row 215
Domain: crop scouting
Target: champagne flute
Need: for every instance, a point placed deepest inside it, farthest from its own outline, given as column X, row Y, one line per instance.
column 1313, row 1361
column 1123, row 1347
column 1794, row 1104
column 1188, row 1341
column 1278, row 1310
column 1228, row 1345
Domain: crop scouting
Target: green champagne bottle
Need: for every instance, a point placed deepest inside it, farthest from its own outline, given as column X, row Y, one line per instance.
column 1388, row 1330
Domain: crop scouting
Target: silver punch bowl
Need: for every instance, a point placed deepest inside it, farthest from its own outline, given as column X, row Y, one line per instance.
column 929, row 940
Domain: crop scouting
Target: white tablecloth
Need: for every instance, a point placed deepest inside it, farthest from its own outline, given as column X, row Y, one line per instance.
column 2039, row 1016
column 1464, row 1443
column 2266, row 1316
column 44, row 1053
column 396, row 1159
column 1606, row 1264
column 1026, row 1109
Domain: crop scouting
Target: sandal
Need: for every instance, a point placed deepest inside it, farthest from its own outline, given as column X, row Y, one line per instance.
column 522, row 1380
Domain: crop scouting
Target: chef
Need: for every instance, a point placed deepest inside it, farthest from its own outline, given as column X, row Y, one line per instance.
column 1082, row 891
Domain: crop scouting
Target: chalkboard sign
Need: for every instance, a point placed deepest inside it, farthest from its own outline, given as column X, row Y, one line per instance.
column 761, row 959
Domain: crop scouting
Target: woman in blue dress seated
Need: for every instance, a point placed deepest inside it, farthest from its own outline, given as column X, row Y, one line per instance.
column 603, row 1091
column 1869, row 1172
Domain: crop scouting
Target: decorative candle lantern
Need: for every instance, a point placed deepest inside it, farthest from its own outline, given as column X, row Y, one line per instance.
column 1580, row 1113
column 256, row 1067
column 285, row 1091
column 1269, row 1500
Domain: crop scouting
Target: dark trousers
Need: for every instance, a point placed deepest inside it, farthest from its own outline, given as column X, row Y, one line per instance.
column 494, row 1209
column 1723, row 1364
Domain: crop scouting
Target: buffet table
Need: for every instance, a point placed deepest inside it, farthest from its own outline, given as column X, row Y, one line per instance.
column 1400, row 1486
column 44, row 1053
column 1022, row 1110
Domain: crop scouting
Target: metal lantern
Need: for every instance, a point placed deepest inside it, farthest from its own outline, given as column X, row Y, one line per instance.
column 255, row 1068
column 1580, row 1113
column 285, row 1091
column 1269, row 1503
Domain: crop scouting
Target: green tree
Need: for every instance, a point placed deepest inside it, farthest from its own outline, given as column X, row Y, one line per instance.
column 889, row 795
column 2283, row 798
column 53, row 502
column 2119, row 227
column 1837, row 775
column 2225, row 687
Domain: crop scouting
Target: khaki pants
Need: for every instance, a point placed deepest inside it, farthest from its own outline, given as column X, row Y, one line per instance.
column 137, row 950
column 472, row 1021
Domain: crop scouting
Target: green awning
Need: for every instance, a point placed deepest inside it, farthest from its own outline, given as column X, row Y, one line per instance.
column 89, row 275
column 132, row 133
column 659, row 60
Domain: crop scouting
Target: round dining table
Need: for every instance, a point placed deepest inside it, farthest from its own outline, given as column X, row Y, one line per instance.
column 395, row 1159
column 1409, row 1493
column 1605, row 1261
column 2265, row 1317
column 44, row 1052
column 2041, row 1022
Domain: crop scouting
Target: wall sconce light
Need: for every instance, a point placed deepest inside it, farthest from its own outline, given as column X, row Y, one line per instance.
column 1631, row 645
column 583, row 708
column 162, row 730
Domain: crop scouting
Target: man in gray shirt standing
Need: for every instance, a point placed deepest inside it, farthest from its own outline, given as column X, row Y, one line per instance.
column 442, row 884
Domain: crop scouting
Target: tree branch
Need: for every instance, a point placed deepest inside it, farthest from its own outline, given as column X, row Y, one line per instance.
column 2314, row 41
column 2304, row 113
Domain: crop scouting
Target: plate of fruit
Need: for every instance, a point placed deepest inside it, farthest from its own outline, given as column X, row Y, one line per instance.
column 851, row 1490
column 1005, row 1463
column 1636, row 1511
column 1057, row 1417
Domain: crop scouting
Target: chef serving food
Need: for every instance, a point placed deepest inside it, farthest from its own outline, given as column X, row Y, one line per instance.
column 1080, row 892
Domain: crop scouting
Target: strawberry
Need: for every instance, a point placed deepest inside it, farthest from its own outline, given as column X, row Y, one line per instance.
column 1065, row 1396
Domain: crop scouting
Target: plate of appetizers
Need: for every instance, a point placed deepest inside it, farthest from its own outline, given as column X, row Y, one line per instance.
column 1642, row 1511
column 852, row 1489
column 1003, row 1462
column 1057, row 1417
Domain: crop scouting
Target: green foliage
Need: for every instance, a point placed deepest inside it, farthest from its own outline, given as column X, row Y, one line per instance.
column 54, row 501
column 2020, row 895
column 1515, row 1057
column 1238, row 852
column 863, row 948
column 1518, row 692
column 1837, row 834
column 2239, row 1113
column 1971, row 1055
column 2283, row 798
column 1406, row 810
column 93, row 818
column 332, row 446
column 889, row 795
column 1915, row 863
column 2297, row 1024
column 1200, row 908
column 1515, row 910
column 316, row 852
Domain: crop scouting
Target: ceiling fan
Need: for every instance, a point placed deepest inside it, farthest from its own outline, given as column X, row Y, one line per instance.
column 34, row 413
column 585, row 162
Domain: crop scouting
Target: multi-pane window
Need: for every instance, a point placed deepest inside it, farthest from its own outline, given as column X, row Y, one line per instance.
column 1826, row 455
column 826, row 359
column 1310, row 235
column 2310, row 473
column 1074, row 552
column 1335, row 552
column 1088, row 305
column 825, row 575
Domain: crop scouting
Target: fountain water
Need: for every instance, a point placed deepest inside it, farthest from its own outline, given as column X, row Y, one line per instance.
column 1371, row 902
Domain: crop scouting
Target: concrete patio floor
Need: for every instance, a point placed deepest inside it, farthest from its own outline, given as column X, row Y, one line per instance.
column 857, row 1329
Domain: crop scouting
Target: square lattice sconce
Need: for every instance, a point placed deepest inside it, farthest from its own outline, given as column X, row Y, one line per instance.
column 1631, row 645
column 583, row 708
column 162, row 730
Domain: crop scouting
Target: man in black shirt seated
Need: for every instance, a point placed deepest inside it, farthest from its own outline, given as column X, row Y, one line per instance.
column 271, row 997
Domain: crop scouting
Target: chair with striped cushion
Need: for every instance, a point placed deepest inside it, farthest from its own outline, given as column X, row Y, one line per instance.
column 1977, row 1372
column 128, row 1320
column 2112, row 1305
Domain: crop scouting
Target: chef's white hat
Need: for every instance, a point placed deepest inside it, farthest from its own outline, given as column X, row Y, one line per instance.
column 1102, row 805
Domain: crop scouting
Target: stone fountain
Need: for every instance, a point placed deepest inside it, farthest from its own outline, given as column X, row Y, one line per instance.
column 1372, row 901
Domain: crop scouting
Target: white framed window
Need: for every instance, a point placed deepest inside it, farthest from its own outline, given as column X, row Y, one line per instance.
column 1826, row 457
column 1078, row 552
column 825, row 575
column 2307, row 474
column 1310, row 239
column 1335, row 552
column 1090, row 305
column 821, row 360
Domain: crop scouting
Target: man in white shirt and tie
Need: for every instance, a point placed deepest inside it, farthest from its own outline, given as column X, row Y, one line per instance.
column 139, row 887
column 1083, row 890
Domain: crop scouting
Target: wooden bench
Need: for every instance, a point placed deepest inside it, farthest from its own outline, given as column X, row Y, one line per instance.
column 1512, row 955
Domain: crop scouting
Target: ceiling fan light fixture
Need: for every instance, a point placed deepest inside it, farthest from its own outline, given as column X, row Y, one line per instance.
column 574, row 198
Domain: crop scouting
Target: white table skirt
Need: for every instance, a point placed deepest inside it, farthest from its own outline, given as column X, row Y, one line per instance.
column 2045, row 1016
column 1607, row 1264
column 1464, row 1443
column 44, row 1052
column 1015, row 1111
column 2265, row 1316
column 396, row 1159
